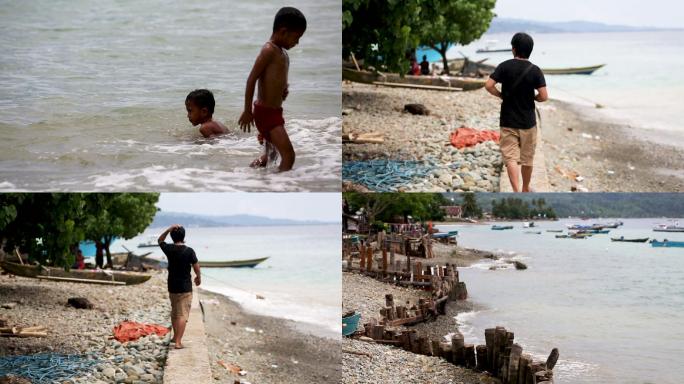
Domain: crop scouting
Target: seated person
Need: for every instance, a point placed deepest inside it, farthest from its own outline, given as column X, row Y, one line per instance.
column 424, row 66
column 200, row 106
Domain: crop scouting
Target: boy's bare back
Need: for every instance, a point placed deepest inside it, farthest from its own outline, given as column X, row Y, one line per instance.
column 212, row 128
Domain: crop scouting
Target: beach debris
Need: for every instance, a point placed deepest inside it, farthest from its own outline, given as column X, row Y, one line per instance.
column 292, row 359
column 587, row 136
column 519, row 265
column 578, row 188
column 631, row 167
column 131, row 330
column 416, row 109
column 579, row 179
column 468, row 137
column 233, row 368
column 274, row 366
column 80, row 303
column 259, row 297
column 251, row 330
column 357, row 353
column 386, row 175
column 610, row 172
column 9, row 305
column 346, row 112
column 46, row 368
column 363, row 138
column 37, row 331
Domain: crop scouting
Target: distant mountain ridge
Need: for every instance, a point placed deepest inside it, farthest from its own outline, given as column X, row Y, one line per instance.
column 503, row 25
column 165, row 219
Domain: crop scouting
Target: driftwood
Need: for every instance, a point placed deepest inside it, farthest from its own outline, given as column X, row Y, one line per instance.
column 357, row 353
column 37, row 331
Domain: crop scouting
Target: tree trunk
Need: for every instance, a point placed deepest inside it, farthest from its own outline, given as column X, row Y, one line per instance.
column 108, row 241
column 442, row 51
column 98, row 253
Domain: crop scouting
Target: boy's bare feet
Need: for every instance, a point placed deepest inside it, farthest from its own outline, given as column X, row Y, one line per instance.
column 259, row 162
column 179, row 346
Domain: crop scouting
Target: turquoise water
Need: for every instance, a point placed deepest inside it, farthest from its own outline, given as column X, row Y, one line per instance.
column 642, row 84
column 93, row 95
column 614, row 310
column 301, row 280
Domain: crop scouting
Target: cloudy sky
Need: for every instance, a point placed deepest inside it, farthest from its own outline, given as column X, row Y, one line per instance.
column 298, row 206
column 652, row 13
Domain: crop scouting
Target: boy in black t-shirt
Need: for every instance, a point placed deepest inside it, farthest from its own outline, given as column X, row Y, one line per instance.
column 180, row 258
column 519, row 79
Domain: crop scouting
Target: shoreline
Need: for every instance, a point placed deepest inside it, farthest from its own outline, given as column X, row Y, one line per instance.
column 585, row 149
column 257, row 345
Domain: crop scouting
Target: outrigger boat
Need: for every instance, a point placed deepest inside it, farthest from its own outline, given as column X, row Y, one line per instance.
column 572, row 71
column 668, row 228
column 427, row 82
column 622, row 238
column 501, row 227
column 75, row 275
column 666, row 243
column 555, row 230
column 251, row 263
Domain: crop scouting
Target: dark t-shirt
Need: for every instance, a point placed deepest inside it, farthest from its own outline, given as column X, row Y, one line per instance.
column 424, row 68
column 180, row 259
column 517, row 108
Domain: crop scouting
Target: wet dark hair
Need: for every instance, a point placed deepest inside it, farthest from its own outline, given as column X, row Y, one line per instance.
column 291, row 18
column 523, row 44
column 202, row 98
column 178, row 234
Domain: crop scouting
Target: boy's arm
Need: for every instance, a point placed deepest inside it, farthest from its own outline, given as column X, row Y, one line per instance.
column 264, row 58
column 490, row 86
column 543, row 95
column 162, row 237
column 198, row 277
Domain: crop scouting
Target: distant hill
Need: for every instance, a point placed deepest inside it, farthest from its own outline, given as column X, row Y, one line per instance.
column 165, row 219
column 504, row 25
column 619, row 205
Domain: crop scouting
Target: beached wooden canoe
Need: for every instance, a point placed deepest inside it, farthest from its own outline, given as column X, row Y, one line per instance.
column 251, row 263
column 457, row 83
column 572, row 71
column 75, row 275
column 641, row 240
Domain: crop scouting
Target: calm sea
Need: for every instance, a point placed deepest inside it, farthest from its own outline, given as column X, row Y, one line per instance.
column 92, row 95
column 642, row 84
column 614, row 310
column 300, row 281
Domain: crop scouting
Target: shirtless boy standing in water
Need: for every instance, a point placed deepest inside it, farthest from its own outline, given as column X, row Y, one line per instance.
column 270, row 69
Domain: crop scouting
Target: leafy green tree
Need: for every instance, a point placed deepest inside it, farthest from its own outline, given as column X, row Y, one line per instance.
column 469, row 206
column 381, row 31
column 446, row 22
column 122, row 215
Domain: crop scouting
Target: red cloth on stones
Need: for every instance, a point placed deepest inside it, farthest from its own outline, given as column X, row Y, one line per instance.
column 130, row 330
column 467, row 137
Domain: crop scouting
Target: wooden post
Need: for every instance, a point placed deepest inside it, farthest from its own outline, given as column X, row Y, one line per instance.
column 405, row 342
column 384, row 261
column 469, row 356
column 514, row 364
column 524, row 366
column 458, row 349
column 532, row 370
column 445, row 351
column 392, row 260
column 369, row 259
column 378, row 332
column 499, row 345
column 552, row 359
column 490, row 335
column 508, row 345
column 436, row 350
column 362, row 257
column 413, row 337
column 481, row 352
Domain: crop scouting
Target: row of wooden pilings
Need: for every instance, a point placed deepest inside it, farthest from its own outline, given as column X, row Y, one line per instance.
column 499, row 356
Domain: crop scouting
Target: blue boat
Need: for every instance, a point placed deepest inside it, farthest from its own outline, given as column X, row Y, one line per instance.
column 350, row 324
column 444, row 235
column 501, row 227
column 667, row 244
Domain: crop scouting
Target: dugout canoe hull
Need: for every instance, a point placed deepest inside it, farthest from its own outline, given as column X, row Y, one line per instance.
column 366, row 77
column 37, row 271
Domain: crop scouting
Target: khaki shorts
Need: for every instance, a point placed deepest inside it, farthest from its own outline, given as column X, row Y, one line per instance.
column 180, row 305
column 518, row 145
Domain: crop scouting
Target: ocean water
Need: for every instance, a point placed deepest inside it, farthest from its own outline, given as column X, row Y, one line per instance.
column 641, row 86
column 92, row 95
column 614, row 310
column 300, row 281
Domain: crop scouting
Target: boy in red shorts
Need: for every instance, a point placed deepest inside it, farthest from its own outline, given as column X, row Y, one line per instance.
column 270, row 70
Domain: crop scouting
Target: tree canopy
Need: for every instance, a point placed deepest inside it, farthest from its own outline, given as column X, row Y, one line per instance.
column 382, row 32
column 48, row 225
column 387, row 207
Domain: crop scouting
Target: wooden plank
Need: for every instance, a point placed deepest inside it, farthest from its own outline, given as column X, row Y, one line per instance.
column 76, row 280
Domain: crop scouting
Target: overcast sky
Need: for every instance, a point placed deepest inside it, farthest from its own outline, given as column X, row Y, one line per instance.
column 652, row 13
column 296, row 206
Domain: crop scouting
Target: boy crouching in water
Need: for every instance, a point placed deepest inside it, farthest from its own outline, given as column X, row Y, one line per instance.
column 270, row 69
column 200, row 106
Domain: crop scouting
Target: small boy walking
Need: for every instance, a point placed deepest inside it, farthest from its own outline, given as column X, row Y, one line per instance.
column 180, row 258
column 519, row 79
column 270, row 71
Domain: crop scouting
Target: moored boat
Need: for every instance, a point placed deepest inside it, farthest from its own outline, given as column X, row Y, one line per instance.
column 622, row 238
column 668, row 228
column 501, row 227
column 249, row 263
column 666, row 243
column 458, row 83
column 75, row 275
column 572, row 71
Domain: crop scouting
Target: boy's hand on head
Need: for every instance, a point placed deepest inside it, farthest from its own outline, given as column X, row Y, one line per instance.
column 246, row 121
